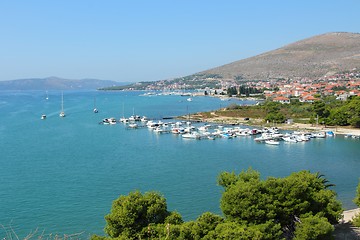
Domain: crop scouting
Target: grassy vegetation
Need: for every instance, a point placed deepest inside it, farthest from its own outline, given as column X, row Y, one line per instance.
column 356, row 220
column 300, row 113
column 329, row 111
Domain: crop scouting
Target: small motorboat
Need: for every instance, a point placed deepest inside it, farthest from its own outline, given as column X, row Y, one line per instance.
column 107, row 121
column 133, row 125
column 43, row 117
column 272, row 142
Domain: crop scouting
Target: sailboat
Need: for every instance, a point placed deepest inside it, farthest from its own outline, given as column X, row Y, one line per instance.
column 123, row 119
column 95, row 109
column 43, row 116
column 134, row 117
column 62, row 113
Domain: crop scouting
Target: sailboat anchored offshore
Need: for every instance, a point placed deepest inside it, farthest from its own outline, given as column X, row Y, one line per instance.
column 62, row 113
column 95, row 109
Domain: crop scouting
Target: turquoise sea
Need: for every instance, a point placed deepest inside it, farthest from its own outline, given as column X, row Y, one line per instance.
column 60, row 175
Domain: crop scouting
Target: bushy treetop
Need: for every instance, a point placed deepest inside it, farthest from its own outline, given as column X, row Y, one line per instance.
column 300, row 206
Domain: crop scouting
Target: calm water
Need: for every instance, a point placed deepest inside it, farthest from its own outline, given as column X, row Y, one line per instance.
column 61, row 175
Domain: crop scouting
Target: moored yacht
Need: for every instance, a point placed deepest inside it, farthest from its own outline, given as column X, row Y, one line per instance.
column 133, row 125
column 272, row 142
column 319, row 135
column 144, row 119
column 290, row 138
column 134, row 118
column 107, row 121
column 193, row 135
column 124, row 120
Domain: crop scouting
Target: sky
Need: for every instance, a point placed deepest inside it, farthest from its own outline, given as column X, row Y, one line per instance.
column 148, row 40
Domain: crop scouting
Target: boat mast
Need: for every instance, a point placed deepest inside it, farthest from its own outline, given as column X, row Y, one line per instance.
column 62, row 102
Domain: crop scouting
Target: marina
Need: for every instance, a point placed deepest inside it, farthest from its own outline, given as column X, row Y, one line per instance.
column 62, row 174
column 198, row 130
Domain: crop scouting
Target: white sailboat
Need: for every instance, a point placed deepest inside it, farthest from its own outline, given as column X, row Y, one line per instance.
column 62, row 113
column 123, row 119
column 134, row 117
column 95, row 109
column 43, row 116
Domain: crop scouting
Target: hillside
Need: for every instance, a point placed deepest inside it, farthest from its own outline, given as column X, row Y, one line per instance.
column 313, row 57
column 55, row 83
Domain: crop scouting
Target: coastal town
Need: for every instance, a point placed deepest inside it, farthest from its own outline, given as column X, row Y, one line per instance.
column 180, row 120
column 342, row 85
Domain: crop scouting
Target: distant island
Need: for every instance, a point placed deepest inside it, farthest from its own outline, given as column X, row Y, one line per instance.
column 56, row 83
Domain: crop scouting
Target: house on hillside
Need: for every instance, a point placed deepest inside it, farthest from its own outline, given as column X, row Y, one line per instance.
column 297, row 91
column 308, row 99
column 282, row 100
column 328, row 92
column 341, row 95
column 269, row 94
column 354, row 92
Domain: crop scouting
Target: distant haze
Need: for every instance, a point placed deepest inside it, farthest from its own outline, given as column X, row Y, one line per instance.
column 313, row 57
column 56, row 83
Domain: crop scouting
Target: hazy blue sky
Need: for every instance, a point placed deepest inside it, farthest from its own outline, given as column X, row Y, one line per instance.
column 152, row 40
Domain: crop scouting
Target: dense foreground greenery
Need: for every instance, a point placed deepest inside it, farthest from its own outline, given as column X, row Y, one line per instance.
column 300, row 206
column 328, row 111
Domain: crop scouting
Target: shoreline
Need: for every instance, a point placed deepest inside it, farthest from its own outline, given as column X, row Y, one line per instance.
column 349, row 214
column 344, row 229
column 259, row 123
column 336, row 130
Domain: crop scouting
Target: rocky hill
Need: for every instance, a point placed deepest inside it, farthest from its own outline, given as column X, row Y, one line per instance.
column 55, row 83
column 313, row 57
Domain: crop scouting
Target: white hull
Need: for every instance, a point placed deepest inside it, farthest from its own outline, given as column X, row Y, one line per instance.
column 272, row 142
